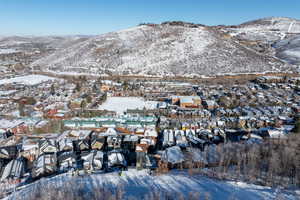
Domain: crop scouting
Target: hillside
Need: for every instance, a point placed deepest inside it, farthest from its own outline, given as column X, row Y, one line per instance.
column 139, row 185
column 267, row 30
column 289, row 49
column 18, row 52
column 168, row 49
column 30, row 44
column 50, row 41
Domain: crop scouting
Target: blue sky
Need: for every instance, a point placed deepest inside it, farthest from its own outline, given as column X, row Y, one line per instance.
column 65, row 17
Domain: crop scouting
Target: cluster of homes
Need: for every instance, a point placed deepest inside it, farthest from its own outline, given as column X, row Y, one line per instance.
column 57, row 126
column 84, row 147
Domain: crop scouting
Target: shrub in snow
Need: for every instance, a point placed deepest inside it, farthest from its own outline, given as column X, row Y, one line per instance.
column 173, row 155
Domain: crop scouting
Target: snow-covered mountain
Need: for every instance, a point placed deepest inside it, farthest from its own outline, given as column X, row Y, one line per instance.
column 274, row 36
column 18, row 52
column 167, row 49
column 267, row 29
column 289, row 49
column 27, row 43
column 171, row 48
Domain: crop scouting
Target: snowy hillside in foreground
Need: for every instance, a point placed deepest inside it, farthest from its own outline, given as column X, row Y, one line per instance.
column 159, row 50
column 139, row 183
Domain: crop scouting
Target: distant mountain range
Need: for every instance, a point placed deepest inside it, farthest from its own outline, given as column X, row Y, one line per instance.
column 170, row 49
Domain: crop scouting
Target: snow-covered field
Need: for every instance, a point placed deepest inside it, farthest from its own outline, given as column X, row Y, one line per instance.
column 7, row 51
column 139, row 183
column 7, row 124
column 7, row 92
column 27, row 80
column 121, row 104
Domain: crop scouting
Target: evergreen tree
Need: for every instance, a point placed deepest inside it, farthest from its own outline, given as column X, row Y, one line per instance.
column 31, row 101
column 88, row 99
column 83, row 104
column 21, row 109
column 52, row 89
column 125, row 85
column 95, row 88
column 297, row 125
column 78, row 87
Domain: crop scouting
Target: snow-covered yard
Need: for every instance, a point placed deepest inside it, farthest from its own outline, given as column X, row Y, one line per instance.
column 139, row 183
column 7, row 51
column 121, row 104
column 7, row 92
column 27, row 80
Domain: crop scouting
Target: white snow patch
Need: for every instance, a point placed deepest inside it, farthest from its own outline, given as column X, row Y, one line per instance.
column 27, row 80
column 7, row 92
column 8, row 51
column 121, row 104
column 293, row 53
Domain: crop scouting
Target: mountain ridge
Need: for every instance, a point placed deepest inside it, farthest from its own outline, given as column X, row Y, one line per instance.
column 172, row 48
column 166, row 49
